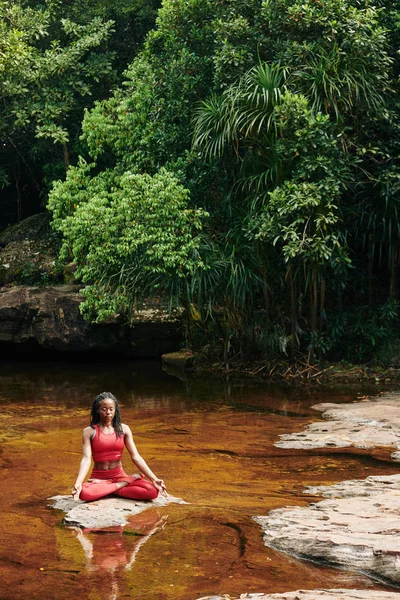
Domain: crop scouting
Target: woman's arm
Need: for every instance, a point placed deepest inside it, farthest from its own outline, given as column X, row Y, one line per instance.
column 85, row 462
column 140, row 462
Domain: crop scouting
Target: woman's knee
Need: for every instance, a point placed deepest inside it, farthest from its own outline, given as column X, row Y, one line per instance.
column 139, row 492
column 152, row 491
column 94, row 491
column 149, row 488
column 87, row 494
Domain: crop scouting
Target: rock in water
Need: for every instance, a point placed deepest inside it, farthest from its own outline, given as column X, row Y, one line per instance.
column 366, row 425
column 358, row 531
column 107, row 512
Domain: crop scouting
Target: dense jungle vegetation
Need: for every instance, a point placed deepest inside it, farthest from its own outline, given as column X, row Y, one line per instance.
column 237, row 158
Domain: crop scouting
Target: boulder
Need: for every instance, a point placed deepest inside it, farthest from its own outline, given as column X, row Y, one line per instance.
column 48, row 319
column 358, row 531
column 107, row 512
column 36, row 227
column 29, row 252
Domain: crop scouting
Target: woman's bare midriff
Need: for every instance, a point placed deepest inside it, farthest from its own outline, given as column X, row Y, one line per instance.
column 107, row 466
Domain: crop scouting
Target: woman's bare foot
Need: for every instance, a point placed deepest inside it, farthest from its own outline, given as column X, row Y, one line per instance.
column 122, row 484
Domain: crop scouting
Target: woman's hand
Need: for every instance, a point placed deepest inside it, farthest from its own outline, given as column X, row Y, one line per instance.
column 76, row 490
column 160, row 486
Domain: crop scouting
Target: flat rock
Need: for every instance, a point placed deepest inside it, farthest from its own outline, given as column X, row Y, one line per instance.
column 339, row 594
column 107, row 512
column 374, row 485
column 366, row 425
column 358, row 531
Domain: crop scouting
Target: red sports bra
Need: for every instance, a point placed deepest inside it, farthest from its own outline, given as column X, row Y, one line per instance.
column 106, row 447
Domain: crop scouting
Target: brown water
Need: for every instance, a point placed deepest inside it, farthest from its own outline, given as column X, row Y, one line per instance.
column 210, row 440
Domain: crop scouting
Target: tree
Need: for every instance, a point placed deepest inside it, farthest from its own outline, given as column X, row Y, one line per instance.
column 290, row 157
column 132, row 237
column 57, row 59
column 291, row 175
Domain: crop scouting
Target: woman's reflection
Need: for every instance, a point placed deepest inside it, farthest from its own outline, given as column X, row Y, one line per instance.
column 115, row 549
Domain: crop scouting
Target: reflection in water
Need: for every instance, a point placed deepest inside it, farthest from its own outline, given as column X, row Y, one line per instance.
column 114, row 551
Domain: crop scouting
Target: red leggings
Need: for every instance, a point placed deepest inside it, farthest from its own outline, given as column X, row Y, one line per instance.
column 137, row 489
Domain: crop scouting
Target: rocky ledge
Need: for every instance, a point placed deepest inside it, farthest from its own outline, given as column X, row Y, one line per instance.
column 35, row 319
column 356, row 528
column 107, row 512
column 339, row 594
column 368, row 424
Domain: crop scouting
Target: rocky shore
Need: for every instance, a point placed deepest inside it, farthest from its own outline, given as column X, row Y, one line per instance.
column 358, row 532
column 357, row 527
column 366, row 425
column 36, row 320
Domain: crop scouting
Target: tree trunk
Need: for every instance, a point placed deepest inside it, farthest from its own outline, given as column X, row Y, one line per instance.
column 322, row 317
column 263, row 270
column 370, row 269
column 293, row 313
column 66, row 156
column 314, row 301
column 17, row 173
column 394, row 267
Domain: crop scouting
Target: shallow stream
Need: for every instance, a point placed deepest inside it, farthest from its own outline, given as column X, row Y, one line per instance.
column 213, row 443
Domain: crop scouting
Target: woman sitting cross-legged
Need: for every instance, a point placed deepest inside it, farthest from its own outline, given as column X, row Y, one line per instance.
column 104, row 440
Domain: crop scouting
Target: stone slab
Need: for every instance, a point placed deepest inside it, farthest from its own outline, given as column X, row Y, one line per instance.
column 366, row 425
column 358, row 530
column 107, row 512
column 375, row 485
column 334, row 594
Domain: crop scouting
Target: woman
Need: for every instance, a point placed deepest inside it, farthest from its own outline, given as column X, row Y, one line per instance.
column 104, row 440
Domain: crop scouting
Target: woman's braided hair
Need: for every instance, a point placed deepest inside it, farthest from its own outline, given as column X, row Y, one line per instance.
column 95, row 412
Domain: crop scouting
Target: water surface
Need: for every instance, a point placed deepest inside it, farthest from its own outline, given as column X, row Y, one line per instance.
column 212, row 442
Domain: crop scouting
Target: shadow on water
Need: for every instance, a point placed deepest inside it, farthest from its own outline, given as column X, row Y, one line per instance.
column 211, row 440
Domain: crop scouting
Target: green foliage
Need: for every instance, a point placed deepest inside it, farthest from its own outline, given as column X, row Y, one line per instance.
column 132, row 236
column 40, row 85
column 358, row 335
column 302, row 213
column 282, row 119
column 57, row 58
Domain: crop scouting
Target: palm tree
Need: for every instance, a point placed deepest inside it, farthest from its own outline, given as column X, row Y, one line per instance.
column 280, row 147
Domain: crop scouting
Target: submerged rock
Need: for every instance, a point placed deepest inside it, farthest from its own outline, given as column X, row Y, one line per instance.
column 339, row 594
column 107, row 512
column 358, row 531
column 179, row 360
column 366, row 425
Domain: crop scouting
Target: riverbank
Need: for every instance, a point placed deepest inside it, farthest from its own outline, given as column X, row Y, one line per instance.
column 300, row 371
